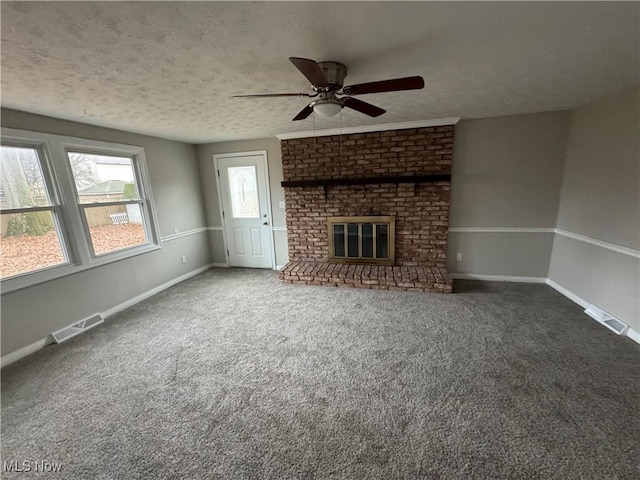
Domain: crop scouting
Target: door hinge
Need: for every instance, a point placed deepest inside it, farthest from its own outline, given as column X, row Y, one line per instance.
column 223, row 214
column 218, row 173
column 227, row 253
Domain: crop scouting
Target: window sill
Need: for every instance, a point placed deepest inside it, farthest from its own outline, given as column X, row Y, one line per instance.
column 52, row 273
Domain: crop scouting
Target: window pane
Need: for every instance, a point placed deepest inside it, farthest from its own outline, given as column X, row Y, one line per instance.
column 352, row 239
column 115, row 227
column 21, row 180
column 367, row 240
column 29, row 242
column 338, row 240
column 382, row 241
column 102, row 178
column 243, row 187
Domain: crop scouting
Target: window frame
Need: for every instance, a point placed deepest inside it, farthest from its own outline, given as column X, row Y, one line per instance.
column 73, row 230
column 55, row 203
column 135, row 154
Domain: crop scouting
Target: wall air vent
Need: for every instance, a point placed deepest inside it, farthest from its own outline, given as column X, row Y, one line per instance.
column 79, row 327
column 606, row 319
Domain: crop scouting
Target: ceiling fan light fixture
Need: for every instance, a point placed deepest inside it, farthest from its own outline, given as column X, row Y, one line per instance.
column 327, row 108
column 327, row 80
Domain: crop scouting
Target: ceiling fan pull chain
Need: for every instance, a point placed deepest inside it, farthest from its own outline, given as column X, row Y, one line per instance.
column 314, row 132
column 340, row 132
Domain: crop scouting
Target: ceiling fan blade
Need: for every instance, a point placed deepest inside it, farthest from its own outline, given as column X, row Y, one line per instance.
column 311, row 70
column 363, row 107
column 275, row 95
column 304, row 113
column 394, row 85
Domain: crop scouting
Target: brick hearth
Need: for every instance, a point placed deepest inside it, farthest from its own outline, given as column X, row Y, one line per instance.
column 376, row 277
column 420, row 208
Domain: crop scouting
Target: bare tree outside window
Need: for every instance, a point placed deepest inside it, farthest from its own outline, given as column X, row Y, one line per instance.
column 30, row 239
column 84, row 169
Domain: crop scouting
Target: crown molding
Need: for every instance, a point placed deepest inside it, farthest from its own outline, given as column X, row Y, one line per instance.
column 435, row 122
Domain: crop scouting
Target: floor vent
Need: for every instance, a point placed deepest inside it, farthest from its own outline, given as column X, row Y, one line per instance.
column 606, row 319
column 73, row 330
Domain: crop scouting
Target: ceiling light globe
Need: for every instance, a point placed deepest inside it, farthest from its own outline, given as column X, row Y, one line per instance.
column 327, row 109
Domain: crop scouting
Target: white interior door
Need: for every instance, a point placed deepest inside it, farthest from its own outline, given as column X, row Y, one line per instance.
column 246, row 210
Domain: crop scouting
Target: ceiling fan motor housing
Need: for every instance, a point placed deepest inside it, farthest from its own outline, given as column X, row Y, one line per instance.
column 335, row 73
column 327, row 80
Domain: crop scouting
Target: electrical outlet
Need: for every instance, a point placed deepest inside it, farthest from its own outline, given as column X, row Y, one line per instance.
column 459, row 257
column 184, row 259
column 281, row 204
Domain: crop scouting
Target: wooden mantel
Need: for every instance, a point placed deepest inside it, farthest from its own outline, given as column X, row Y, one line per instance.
column 328, row 182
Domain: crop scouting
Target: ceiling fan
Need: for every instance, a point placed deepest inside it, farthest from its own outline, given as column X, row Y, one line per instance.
column 326, row 81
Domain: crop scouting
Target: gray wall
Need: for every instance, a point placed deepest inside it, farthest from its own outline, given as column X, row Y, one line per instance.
column 507, row 173
column 32, row 313
column 601, row 200
column 506, row 182
column 509, row 191
column 207, row 174
column 505, row 254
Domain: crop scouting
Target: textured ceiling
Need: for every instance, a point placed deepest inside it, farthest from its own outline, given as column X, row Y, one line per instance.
column 170, row 68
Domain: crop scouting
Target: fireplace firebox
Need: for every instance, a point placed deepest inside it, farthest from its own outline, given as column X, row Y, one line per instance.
column 361, row 240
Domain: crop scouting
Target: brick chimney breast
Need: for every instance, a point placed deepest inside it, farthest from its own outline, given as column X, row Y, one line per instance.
column 420, row 208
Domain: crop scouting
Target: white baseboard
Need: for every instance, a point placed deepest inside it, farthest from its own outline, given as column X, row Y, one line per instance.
column 150, row 293
column 497, row 278
column 570, row 295
column 16, row 355
column 633, row 335
column 40, row 344
column 630, row 332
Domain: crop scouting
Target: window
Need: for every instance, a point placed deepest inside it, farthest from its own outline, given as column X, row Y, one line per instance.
column 29, row 218
column 243, row 187
column 117, row 221
column 70, row 204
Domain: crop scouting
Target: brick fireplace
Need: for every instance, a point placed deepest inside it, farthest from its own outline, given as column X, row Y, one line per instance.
column 401, row 174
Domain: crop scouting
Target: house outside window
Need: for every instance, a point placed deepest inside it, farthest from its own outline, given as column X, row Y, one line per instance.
column 69, row 204
column 108, row 195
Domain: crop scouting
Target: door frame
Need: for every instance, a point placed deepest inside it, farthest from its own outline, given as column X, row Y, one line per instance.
column 216, row 173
